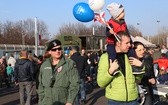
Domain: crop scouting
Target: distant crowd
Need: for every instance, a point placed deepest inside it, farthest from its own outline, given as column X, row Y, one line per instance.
column 8, row 77
column 127, row 70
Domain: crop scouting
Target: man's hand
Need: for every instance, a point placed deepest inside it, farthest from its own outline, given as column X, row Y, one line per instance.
column 152, row 81
column 39, row 62
column 113, row 66
column 68, row 104
column 135, row 62
column 16, row 83
column 89, row 78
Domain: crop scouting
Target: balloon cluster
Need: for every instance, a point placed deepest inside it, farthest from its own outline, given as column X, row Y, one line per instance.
column 84, row 12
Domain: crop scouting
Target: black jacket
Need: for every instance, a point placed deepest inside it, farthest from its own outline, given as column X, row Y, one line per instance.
column 149, row 72
column 81, row 64
column 24, row 70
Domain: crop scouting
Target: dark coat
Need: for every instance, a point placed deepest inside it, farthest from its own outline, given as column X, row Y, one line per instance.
column 24, row 70
column 81, row 64
column 149, row 72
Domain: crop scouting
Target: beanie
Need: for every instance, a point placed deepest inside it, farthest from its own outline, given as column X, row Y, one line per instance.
column 53, row 43
column 115, row 9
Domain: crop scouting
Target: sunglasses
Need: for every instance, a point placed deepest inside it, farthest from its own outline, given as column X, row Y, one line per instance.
column 55, row 49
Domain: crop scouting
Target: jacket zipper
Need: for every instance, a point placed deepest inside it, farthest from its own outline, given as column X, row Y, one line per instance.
column 126, row 89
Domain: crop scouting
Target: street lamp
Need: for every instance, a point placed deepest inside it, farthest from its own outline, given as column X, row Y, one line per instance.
column 138, row 24
column 23, row 37
column 23, row 32
column 35, row 35
column 93, row 35
column 158, row 21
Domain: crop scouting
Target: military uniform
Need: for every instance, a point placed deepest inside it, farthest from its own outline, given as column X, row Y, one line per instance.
column 65, row 87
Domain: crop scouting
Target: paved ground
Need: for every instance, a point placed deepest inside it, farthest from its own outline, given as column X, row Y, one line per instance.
column 10, row 96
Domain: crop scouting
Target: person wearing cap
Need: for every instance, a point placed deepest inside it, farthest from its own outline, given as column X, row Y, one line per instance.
column 117, row 24
column 58, row 78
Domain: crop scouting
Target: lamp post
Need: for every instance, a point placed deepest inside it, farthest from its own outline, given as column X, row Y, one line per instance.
column 23, row 32
column 23, row 37
column 158, row 21
column 93, row 33
column 35, row 36
column 138, row 24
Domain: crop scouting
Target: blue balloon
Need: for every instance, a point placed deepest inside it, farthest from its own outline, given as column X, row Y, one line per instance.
column 66, row 51
column 83, row 12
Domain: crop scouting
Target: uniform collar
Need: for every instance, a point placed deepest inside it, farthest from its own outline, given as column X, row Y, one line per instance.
column 60, row 63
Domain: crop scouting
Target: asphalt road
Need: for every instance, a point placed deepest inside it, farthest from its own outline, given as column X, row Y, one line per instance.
column 10, row 96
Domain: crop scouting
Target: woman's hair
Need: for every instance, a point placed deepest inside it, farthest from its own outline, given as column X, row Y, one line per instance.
column 136, row 43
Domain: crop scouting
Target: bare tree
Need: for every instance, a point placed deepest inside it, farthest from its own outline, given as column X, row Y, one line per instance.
column 28, row 27
column 161, row 37
column 21, row 32
column 73, row 29
column 81, row 29
column 134, row 31
column 99, row 29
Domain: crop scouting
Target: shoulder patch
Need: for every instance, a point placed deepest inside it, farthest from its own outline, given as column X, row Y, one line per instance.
column 47, row 67
column 59, row 69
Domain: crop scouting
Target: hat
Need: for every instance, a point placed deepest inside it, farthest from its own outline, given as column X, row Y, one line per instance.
column 53, row 43
column 115, row 9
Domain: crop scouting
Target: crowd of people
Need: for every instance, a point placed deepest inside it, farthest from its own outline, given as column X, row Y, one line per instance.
column 60, row 77
column 54, row 75
column 7, row 70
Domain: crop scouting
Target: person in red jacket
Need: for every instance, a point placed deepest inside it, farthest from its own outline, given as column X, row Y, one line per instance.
column 163, row 68
column 117, row 24
column 163, row 63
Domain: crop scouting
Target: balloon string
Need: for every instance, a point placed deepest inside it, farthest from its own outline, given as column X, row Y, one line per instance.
column 100, row 18
column 116, row 35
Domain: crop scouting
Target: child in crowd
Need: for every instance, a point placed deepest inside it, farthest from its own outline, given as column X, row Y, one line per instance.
column 117, row 24
column 163, row 69
column 9, row 71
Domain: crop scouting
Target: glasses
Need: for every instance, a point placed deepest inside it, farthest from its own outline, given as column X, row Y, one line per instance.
column 141, row 50
column 55, row 49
